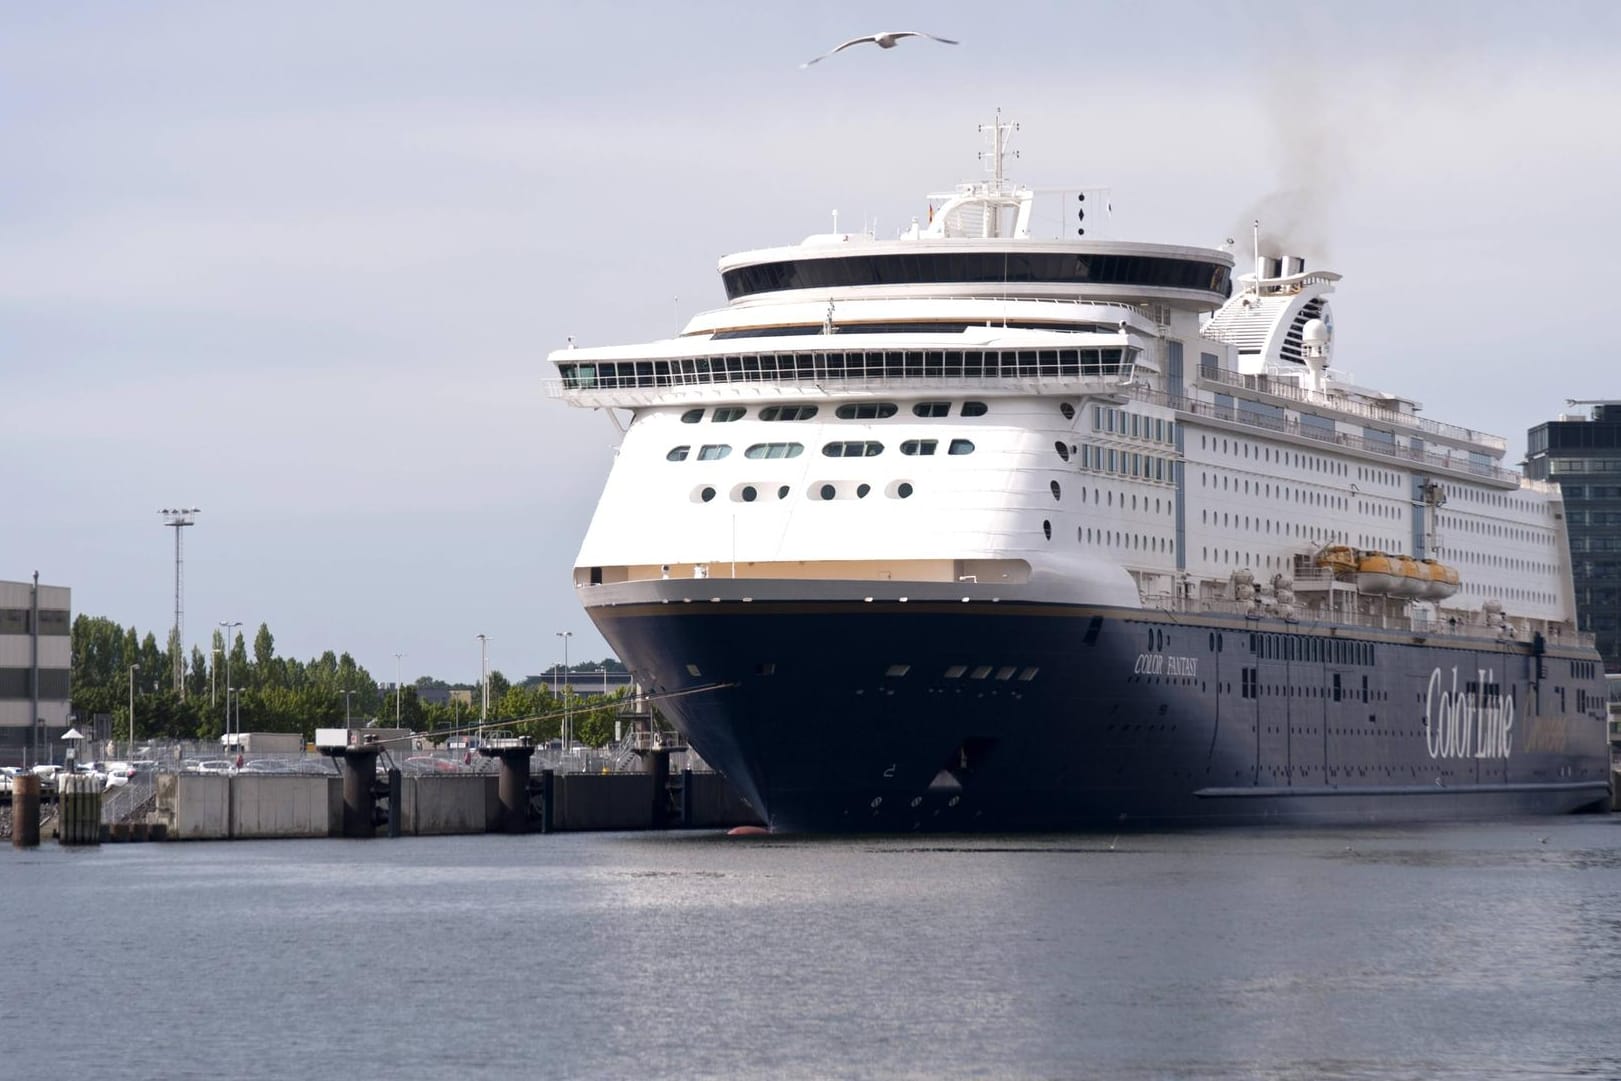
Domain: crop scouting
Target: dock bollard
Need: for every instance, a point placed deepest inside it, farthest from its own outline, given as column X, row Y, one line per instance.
column 25, row 811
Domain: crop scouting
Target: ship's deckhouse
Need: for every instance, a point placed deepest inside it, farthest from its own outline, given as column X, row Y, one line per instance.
column 1083, row 420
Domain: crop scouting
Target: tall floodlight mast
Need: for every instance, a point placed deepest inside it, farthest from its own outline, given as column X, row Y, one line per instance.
column 177, row 518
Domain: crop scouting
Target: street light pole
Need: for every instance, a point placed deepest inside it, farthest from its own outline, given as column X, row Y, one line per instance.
column 213, row 666
column 397, row 688
column 348, row 696
column 483, row 681
column 132, row 670
column 230, row 626
column 568, row 727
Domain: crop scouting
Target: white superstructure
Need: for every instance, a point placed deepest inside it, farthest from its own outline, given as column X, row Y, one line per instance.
column 967, row 409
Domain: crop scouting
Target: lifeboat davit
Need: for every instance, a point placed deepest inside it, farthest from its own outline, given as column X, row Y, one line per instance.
column 1338, row 558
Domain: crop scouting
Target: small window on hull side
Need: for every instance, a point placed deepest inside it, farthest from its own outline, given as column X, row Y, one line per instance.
column 961, row 446
column 932, row 409
column 866, row 411
column 973, row 409
column 919, row 446
column 678, row 454
column 692, row 416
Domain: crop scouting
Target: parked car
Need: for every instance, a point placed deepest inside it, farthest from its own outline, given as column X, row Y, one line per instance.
column 118, row 773
column 221, row 767
column 267, row 765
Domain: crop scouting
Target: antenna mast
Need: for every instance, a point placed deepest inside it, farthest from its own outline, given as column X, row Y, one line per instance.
column 177, row 518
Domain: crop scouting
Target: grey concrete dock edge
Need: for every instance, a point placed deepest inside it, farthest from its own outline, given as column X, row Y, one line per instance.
column 203, row 807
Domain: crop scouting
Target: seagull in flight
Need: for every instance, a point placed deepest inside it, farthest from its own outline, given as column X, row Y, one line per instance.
column 885, row 40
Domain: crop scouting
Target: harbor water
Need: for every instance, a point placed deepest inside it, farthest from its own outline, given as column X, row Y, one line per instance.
column 1482, row 951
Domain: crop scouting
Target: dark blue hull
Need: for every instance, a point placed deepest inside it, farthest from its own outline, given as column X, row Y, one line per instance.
column 887, row 716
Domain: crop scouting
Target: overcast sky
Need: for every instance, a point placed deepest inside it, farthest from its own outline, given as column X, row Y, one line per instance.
column 300, row 264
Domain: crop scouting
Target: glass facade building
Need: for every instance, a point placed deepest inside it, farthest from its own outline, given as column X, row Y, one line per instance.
column 1582, row 454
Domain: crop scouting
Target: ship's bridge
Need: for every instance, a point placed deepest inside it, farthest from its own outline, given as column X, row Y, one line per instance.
column 842, row 266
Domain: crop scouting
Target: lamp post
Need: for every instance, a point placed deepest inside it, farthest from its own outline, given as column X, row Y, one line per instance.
column 397, row 688
column 568, row 728
column 230, row 626
column 132, row 670
column 483, row 681
column 348, row 696
column 213, row 666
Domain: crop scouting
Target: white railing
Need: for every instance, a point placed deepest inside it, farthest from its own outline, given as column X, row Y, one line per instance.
column 1278, row 388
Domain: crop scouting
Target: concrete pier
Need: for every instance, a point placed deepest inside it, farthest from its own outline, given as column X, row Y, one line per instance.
column 512, row 786
column 359, row 769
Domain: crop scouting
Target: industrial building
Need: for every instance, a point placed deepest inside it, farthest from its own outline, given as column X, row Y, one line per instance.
column 36, row 656
column 1582, row 454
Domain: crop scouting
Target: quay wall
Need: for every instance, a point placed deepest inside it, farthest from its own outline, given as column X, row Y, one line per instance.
column 431, row 806
column 203, row 807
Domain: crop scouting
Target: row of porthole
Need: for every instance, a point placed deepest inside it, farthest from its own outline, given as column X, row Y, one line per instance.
column 713, row 452
column 824, row 491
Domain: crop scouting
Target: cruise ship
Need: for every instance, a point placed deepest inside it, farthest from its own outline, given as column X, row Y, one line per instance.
column 970, row 530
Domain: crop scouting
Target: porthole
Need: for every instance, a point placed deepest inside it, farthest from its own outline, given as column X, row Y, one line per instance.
column 903, row 490
column 1067, row 409
column 1058, row 493
column 828, row 491
column 678, row 454
column 782, row 492
column 1047, row 529
column 707, row 494
column 1063, row 449
column 862, row 490
column 749, row 493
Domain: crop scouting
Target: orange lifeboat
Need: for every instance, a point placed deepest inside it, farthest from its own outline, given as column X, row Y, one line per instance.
column 1395, row 575
column 1440, row 580
column 1377, row 573
column 1411, row 577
